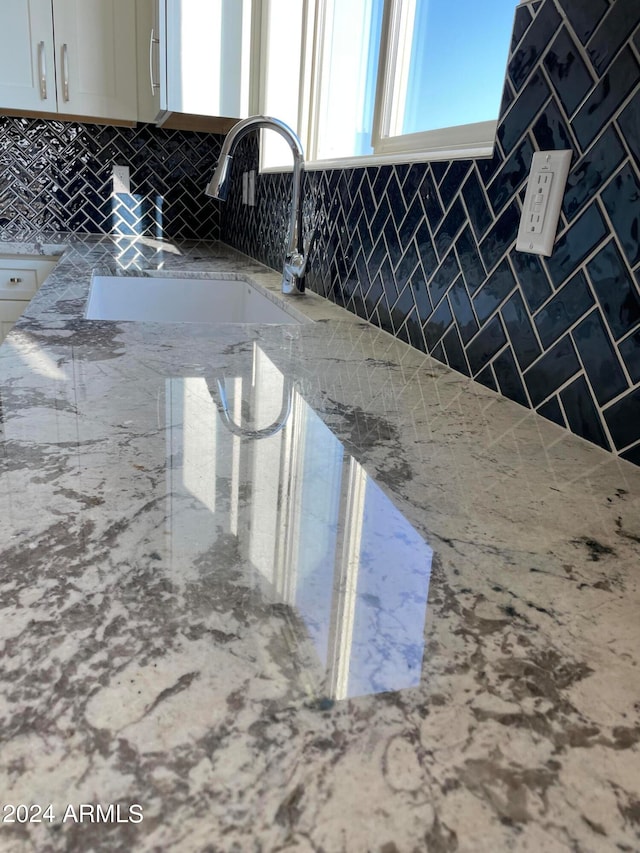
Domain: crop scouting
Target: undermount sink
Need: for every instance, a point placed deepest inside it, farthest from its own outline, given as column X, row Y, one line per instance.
column 176, row 299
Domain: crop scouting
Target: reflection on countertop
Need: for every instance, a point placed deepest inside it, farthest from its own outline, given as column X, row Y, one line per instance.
column 302, row 588
column 315, row 531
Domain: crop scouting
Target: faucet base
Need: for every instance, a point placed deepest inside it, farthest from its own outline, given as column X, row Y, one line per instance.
column 292, row 285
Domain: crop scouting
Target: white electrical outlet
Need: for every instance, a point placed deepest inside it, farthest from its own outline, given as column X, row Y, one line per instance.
column 252, row 188
column 542, row 202
column 121, row 182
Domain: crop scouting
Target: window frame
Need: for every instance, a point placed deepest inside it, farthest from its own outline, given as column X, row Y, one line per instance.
column 474, row 140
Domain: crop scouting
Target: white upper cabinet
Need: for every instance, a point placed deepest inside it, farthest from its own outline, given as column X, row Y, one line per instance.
column 199, row 57
column 75, row 57
column 96, row 57
column 27, row 76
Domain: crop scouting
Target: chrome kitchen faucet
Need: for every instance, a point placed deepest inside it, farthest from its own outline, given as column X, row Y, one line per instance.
column 295, row 262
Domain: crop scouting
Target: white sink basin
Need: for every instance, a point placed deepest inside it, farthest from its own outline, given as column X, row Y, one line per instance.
column 182, row 300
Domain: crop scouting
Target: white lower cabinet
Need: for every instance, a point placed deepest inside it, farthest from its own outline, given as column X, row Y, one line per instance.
column 10, row 311
column 20, row 277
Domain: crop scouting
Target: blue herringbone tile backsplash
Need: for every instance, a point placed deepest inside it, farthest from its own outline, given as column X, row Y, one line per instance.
column 426, row 251
column 57, row 176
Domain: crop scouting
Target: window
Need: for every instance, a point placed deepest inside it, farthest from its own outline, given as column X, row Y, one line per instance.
column 395, row 80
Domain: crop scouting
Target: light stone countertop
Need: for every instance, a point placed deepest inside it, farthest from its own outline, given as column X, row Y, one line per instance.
column 368, row 606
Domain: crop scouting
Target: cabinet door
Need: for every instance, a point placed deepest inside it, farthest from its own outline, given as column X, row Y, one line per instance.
column 10, row 311
column 208, row 48
column 150, row 67
column 95, row 44
column 22, row 275
column 27, row 76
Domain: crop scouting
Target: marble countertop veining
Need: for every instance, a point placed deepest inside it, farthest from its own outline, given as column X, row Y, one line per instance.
column 301, row 588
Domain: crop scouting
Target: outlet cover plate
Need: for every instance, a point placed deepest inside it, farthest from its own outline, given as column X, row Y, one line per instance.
column 121, row 180
column 542, row 202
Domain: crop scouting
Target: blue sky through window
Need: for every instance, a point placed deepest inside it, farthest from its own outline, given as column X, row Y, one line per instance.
column 458, row 62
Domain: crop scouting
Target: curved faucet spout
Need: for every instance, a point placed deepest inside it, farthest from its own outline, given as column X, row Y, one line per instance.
column 295, row 262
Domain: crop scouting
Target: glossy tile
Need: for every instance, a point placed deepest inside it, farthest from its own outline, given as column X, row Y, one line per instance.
column 451, row 225
column 421, row 295
column 629, row 123
column 599, row 359
column 381, row 177
column 383, row 314
column 606, row 98
column 485, row 345
column 508, row 97
column 438, row 353
column 476, row 204
column 561, row 312
column 501, row 236
column 532, row 278
column 630, row 352
column 411, row 221
column 584, row 17
column 615, row 289
column 406, row 265
column 426, row 252
column 368, row 201
column 452, row 181
column 555, row 367
column 551, row 132
column 533, row 44
column 520, row 331
column 511, row 175
column 530, row 101
column 377, row 256
column 576, row 244
column 622, row 201
column 470, row 260
column 568, row 73
column 622, row 18
column 623, row 420
column 373, row 295
column 444, row 277
column 437, row 324
column 394, row 248
column 509, row 382
column 486, row 378
column 454, row 351
column 396, row 199
column 488, row 166
column 413, row 179
column 431, row 202
column 439, row 169
column 381, row 216
column 462, row 310
column 581, row 414
column 632, row 455
column 415, row 333
column 492, row 294
column 402, row 307
column 521, row 23
column 551, row 411
column 593, row 170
